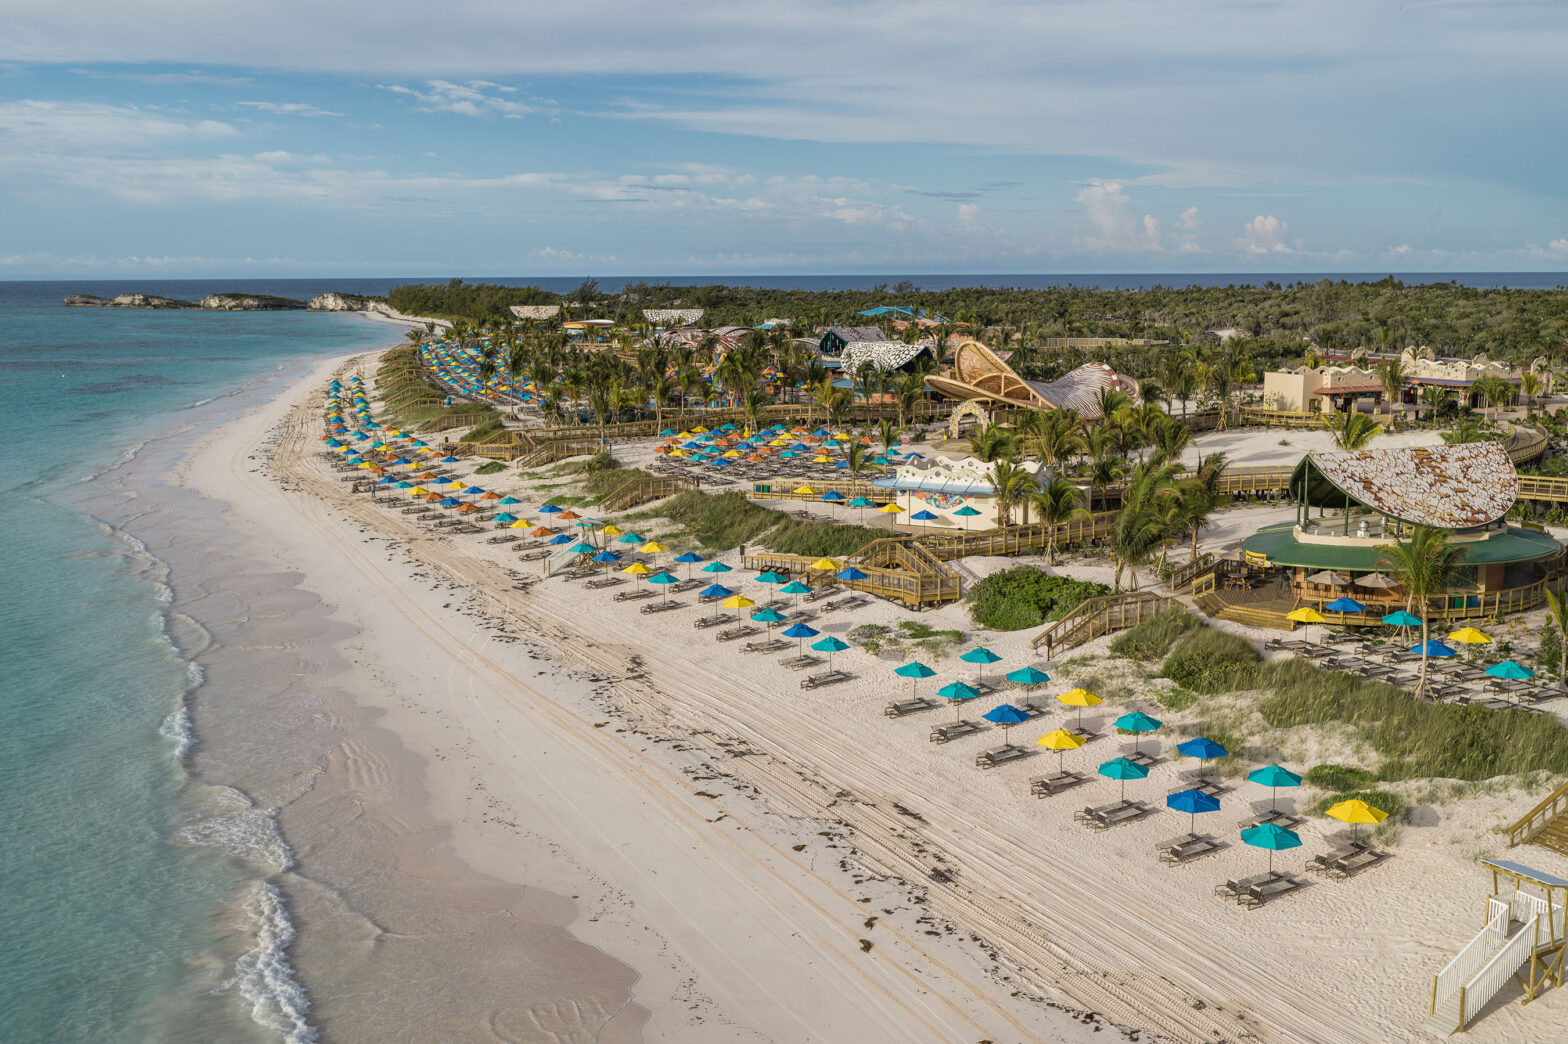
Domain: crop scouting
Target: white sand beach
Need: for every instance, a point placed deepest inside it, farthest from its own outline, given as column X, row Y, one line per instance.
column 782, row 864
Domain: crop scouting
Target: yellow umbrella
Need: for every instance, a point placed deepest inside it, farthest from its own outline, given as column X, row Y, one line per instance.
column 1469, row 636
column 822, row 458
column 699, row 428
column 418, row 491
column 737, row 602
column 1306, row 615
column 637, row 569
column 890, row 509
column 611, row 530
column 806, row 490
column 684, row 435
column 677, row 453
column 1079, row 698
column 825, row 563
column 1060, row 741
column 732, row 453
column 652, row 547
column 521, row 523
column 1355, row 811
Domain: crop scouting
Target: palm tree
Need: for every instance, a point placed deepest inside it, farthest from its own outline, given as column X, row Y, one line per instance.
column 1146, row 518
column 1557, row 613
column 1350, row 430
column 1495, row 390
column 1013, row 485
column 1530, row 386
column 1111, row 401
column 889, row 432
column 1465, row 432
column 1056, row 502
column 1228, row 369
column 1201, row 495
column 1172, row 439
column 1102, row 473
column 1424, row 567
column 994, row 442
column 1176, row 377
column 1057, row 436
column 1391, row 375
column 908, row 390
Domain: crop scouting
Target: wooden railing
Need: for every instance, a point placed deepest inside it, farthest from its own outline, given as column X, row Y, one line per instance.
column 1525, row 443
column 641, row 491
column 1098, row 616
column 1015, row 540
column 785, row 489
column 909, row 579
column 1534, row 821
column 1186, row 574
column 1280, row 418
column 1543, row 487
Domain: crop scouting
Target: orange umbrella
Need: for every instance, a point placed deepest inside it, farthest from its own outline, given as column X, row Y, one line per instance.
column 541, row 531
column 434, row 498
column 468, row 507
column 492, row 495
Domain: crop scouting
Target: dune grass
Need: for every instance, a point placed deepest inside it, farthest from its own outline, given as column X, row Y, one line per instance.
column 1154, row 637
column 720, row 521
column 1209, row 661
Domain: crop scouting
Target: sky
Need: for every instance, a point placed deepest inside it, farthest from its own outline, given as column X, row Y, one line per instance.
column 173, row 138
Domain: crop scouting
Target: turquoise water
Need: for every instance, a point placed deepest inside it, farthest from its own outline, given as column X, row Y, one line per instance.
column 116, row 927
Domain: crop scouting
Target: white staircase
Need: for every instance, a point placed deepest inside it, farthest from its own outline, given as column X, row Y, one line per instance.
column 1474, row 976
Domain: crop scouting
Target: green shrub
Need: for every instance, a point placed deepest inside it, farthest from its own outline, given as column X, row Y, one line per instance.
column 490, row 468
column 1154, row 637
column 1177, row 699
column 1339, row 777
column 1415, row 739
column 1026, row 597
column 1208, row 661
column 726, row 520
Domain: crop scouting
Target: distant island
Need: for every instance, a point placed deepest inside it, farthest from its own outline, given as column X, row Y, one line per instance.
column 229, row 302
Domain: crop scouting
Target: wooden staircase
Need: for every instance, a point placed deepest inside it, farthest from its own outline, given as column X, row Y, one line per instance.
column 1546, row 824
column 1094, row 617
column 641, row 491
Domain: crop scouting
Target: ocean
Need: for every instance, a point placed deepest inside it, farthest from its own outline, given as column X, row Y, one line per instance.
column 138, row 899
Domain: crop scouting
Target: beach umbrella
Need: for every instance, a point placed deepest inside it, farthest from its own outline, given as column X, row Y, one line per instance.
column 664, row 580
column 966, row 513
column 1006, row 715
column 769, row 617
column 449, row 502
column 1510, row 671
column 771, row 577
column 612, row 530
column 826, row 565
column 891, row 510
column 637, row 569
column 652, row 547
column 1469, row 636
column 922, row 516
column 521, row 523
column 509, row 500
column 796, row 588
column 1079, row 698
column 1355, row 812
column 830, row 645
column 1137, row 723
column 715, row 567
column 1061, row 741
column 1328, row 578
column 1123, row 769
column 715, row 591
column 606, row 556
column 957, row 692
column 1433, row 647
column 1402, row 619
column 914, row 670
column 1274, row 777
column 551, row 509
column 1204, row 749
column 688, row 559
column 982, row 656
column 1376, row 581
column 471, row 490
column 1272, row 837
column 737, row 603
column 1306, row 615
column 1345, row 605
column 806, row 491
column 850, row 573
column 564, row 538
column 582, row 548
column 1028, row 677
column 832, row 496
column 629, row 538
column 506, row 517
column 800, row 632
column 1192, row 802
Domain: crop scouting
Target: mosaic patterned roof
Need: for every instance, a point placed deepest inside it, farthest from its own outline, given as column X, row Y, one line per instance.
column 884, row 355
column 536, row 311
column 1451, row 487
column 666, row 316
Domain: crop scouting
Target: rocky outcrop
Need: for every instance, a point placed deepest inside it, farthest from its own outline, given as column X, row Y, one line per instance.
column 86, row 301
column 249, row 303
column 334, row 302
column 147, row 301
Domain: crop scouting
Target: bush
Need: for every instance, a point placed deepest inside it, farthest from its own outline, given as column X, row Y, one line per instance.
column 1154, row 637
column 1339, row 777
column 1177, row 699
column 1415, row 739
column 490, row 468
column 726, row 520
column 1026, row 597
column 1209, row 661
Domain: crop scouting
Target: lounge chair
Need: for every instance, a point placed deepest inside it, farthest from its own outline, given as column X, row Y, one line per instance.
column 743, row 631
column 1320, row 863
column 799, row 663
column 823, row 592
column 603, row 582
column 682, row 586
column 833, row 677
column 1207, row 784
column 1141, row 757
column 1235, row 889
column 1350, row 865
column 769, row 646
column 899, row 708
column 1275, row 816
column 1257, row 895
column 662, row 607
column 502, row 538
column 534, row 556
column 953, row 730
column 1106, row 816
column 1190, row 850
column 1001, row 755
column 633, row 595
column 702, row 623
column 1055, row 783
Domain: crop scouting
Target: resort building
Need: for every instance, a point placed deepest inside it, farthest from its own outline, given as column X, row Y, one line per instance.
column 838, row 338
column 943, row 488
column 1351, row 505
column 979, row 374
column 886, row 356
column 1311, row 389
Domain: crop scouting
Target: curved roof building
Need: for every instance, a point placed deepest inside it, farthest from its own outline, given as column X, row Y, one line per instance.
column 978, row 374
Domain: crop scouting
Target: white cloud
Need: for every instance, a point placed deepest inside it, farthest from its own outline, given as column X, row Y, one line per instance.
column 287, row 108
column 471, row 98
column 45, row 127
column 1264, row 235
column 1554, row 249
column 1189, row 220
column 1116, row 226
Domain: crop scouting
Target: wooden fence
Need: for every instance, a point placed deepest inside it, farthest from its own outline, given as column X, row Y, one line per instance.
column 1094, row 617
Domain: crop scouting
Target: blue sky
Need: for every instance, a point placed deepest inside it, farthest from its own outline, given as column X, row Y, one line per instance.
column 170, row 138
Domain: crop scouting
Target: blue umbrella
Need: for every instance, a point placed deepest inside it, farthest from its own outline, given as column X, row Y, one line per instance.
column 551, row 509
column 564, row 538
column 1192, row 802
column 1006, row 716
column 1123, row 769
column 1273, row 837
column 715, row 591
column 850, row 573
column 922, row 516
column 1345, row 605
column 688, row 559
column 833, row 495
column 957, row 692
column 1203, row 749
column 830, row 645
column 1433, row 648
column 1274, row 777
column 606, row 556
column 800, row 632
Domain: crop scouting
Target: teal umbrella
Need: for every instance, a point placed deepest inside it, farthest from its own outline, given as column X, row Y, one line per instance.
column 663, row 580
column 966, row 513
column 1273, row 837
column 770, row 577
column 715, row 567
column 1510, row 670
column 768, row 616
column 958, row 692
column 796, row 588
column 914, row 671
column 1123, row 769
column 1274, row 777
column 1028, row 677
column 981, row 655
column 1137, row 722
column 830, row 645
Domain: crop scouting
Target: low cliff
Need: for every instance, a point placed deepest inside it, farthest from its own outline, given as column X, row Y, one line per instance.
column 335, row 302
column 238, row 302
